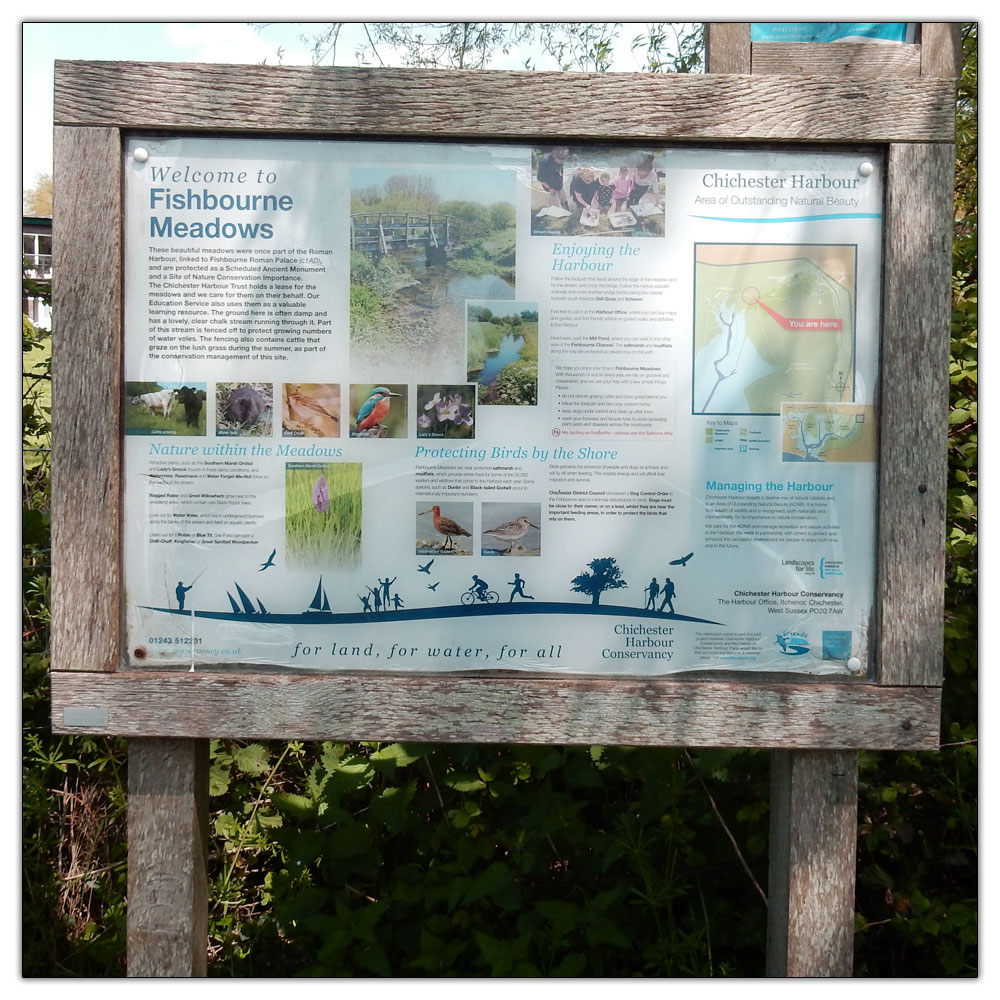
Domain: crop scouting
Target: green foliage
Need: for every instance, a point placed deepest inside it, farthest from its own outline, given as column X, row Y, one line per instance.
column 516, row 385
column 410, row 860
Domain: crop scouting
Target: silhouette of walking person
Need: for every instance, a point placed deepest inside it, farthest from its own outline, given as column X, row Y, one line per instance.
column 668, row 594
column 518, row 584
column 653, row 590
column 180, row 591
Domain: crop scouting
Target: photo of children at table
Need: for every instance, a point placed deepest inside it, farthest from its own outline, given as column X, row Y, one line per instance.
column 597, row 191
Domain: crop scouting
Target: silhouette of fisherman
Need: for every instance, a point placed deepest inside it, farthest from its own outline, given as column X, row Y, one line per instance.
column 668, row 594
column 180, row 591
column 653, row 590
column 518, row 584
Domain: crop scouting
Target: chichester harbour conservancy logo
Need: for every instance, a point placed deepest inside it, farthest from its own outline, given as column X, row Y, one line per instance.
column 792, row 643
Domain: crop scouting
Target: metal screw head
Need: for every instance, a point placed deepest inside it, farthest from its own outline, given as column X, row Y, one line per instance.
column 866, row 169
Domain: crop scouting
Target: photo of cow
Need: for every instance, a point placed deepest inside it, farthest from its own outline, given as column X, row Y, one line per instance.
column 166, row 408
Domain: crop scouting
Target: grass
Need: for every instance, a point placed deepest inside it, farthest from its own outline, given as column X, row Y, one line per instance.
column 320, row 537
column 138, row 420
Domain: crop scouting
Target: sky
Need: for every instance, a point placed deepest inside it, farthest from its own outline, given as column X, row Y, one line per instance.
column 50, row 36
column 42, row 42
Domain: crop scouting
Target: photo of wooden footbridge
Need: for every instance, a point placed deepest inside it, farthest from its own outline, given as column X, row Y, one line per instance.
column 383, row 233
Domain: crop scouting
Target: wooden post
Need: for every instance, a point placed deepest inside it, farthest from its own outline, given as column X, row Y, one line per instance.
column 814, row 819
column 167, row 841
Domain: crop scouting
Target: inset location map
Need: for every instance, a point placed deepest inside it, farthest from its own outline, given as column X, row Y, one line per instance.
column 828, row 432
column 773, row 324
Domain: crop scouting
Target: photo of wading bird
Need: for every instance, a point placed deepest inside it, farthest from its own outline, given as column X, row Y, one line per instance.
column 445, row 526
column 374, row 410
column 511, row 531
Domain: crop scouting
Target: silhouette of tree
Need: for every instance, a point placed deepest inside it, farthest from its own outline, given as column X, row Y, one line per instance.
column 605, row 574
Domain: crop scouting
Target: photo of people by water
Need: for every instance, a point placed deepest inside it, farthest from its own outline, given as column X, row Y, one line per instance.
column 310, row 409
column 423, row 241
column 597, row 191
column 502, row 352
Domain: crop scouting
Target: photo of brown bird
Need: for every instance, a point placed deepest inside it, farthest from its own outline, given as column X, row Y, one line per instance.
column 445, row 526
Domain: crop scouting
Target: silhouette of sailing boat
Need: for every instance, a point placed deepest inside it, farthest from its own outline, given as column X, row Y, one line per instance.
column 248, row 605
column 320, row 603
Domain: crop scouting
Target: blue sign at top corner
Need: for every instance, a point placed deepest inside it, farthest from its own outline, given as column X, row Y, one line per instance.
column 842, row 31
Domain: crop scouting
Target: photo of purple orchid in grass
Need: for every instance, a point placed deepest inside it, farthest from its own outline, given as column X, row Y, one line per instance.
column 322, row 513
column 446, row 411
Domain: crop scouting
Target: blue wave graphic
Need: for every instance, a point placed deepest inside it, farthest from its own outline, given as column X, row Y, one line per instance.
column 794, row 218
column 418, row 614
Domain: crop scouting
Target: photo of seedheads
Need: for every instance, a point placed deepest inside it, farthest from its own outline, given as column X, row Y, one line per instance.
column 310, row 409
column 244, row 409
column 322, row 513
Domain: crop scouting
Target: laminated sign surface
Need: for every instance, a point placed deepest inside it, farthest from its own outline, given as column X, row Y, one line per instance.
column 594, row 409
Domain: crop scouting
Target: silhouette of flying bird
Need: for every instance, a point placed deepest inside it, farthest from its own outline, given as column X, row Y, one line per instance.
column 433, row 586
column 270, row 561
column 426, row 569
column 682, row 561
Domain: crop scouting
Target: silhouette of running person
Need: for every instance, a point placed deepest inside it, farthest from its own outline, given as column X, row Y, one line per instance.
column 653, row 590
column 180, row 591
column 518, row 584
column 668, row 594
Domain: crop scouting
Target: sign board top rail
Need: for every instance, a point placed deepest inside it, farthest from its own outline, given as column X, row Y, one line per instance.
column 497, row 103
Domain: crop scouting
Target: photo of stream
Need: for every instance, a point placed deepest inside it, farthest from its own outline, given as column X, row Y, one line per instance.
column 502, row 351
column 423, row 242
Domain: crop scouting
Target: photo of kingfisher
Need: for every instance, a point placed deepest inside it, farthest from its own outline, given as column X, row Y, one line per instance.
column 376, row 415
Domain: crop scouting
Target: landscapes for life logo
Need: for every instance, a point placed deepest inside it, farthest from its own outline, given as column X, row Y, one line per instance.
column 836, row 644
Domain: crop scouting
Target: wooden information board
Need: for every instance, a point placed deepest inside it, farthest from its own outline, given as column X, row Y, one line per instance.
column 125, row 657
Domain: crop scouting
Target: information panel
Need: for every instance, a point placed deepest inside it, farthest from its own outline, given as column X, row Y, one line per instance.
column 587, row 409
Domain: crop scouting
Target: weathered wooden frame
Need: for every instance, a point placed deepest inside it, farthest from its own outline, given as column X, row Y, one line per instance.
column 897, row 98
column 911, row 118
